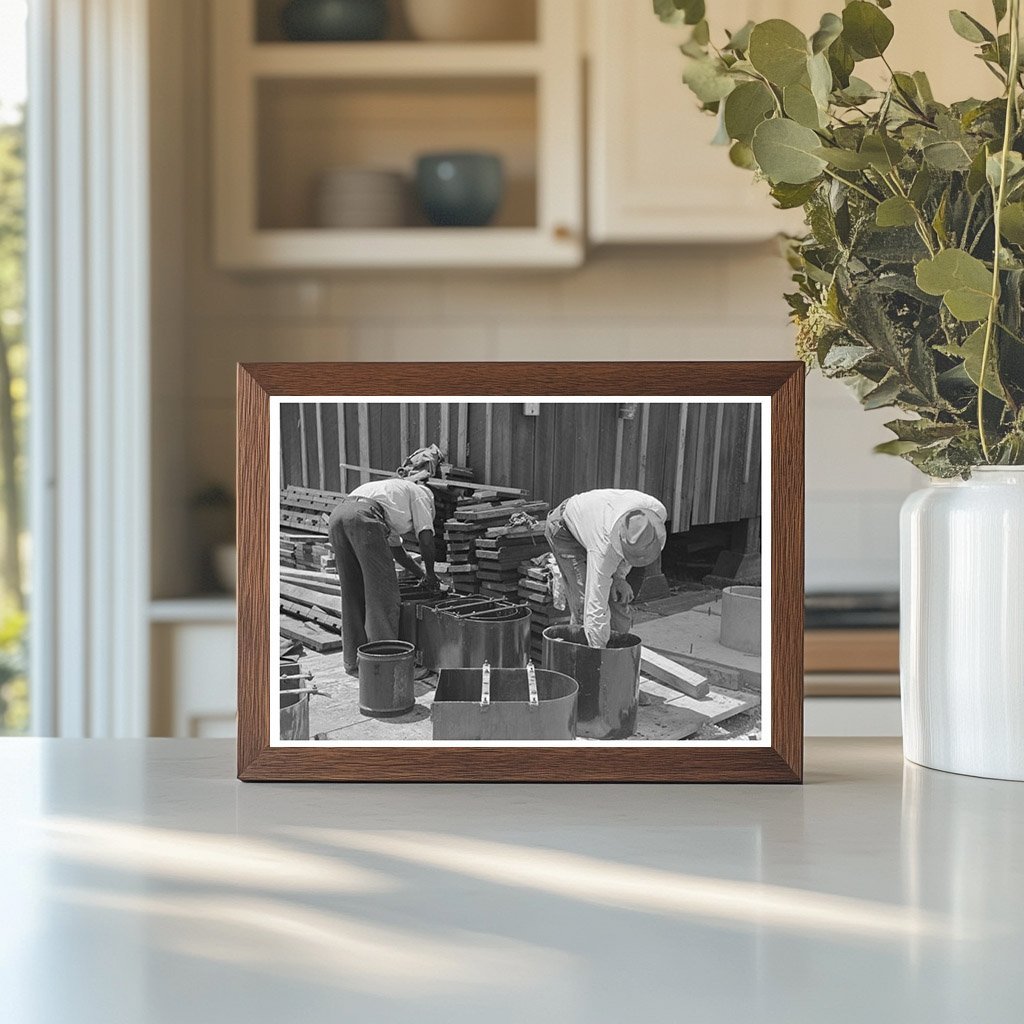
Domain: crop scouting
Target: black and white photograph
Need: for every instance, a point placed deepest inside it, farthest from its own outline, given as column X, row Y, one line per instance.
column 521, row 572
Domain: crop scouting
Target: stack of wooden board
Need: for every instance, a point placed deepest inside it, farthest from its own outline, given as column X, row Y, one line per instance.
column 311, row 611
column 499, row 553
column 469, row 526
column 535, row 590
column 303, row 509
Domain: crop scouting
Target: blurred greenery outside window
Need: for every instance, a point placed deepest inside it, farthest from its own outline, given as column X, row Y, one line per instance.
column 14, row 704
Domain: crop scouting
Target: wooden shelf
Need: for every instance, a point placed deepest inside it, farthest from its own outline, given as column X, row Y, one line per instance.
column 393, row 60
column 401, row 247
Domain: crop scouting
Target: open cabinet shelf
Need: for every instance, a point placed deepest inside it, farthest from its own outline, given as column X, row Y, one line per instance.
column 286, row 114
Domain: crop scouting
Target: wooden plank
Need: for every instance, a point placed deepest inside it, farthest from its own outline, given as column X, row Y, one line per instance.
column 422, row 425
column 363, row 412
column 666, row 671
column 698, row 515
column 565, row 450
column 523, row 453
column 309, row 635
column 462, row 434
column 291, row 444
column 403, row 433
column 657, row 443
column 641, row 459
column 350, row 455
column 329, row 418
column 543, row 455
column 390, row 436
column 501, row 444
column 303, row 447
column 588, row 448
column 319, row 429
column 749, row 448
column 619, row 436
column 312, row 598
column 677, row 485
column 488, row 436
column 716, row 461
column 606, row 433
column 630, row 459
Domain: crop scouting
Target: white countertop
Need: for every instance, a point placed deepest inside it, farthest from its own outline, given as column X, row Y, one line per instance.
column 143, row 885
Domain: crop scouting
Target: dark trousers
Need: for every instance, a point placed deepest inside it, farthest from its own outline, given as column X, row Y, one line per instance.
column 370, row 604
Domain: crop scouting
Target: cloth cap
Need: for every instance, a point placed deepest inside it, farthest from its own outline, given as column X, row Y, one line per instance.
column 643, row 537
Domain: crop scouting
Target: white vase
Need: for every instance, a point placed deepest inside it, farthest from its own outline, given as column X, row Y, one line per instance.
column 962, row 624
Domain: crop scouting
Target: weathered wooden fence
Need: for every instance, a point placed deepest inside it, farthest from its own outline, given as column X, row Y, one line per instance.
column 702, row 461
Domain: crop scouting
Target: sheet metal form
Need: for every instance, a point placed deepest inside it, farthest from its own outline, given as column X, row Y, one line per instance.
column 412, row 596
column 386, row 678
column 465, row 632
column 608, row 678
column 504, row 704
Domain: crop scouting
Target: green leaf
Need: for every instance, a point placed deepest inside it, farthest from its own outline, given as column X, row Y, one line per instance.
column 971, row 352
column 844, row 159
column 923, row 431
column 947, row 156
column 969, row 28
column 883, row 153
column 885, row 394
column 778, row 50
column 895, row 447
column 785, row 152
column 701, row 33
column 841, row 60
column 708, row 80
column 1014, row 169
column 963, row 281
column 921, row 185
column 801, row 106
column 976, row 174
column 675, row 12
column 896, row 212
column 999, row 6
column 866, row 29
column 830, row 29
column 924, row 87
column 1012, row 226
column 741, row 155
column 745, row 108
column 789, row 197
column 820, row 76
column 739, row 41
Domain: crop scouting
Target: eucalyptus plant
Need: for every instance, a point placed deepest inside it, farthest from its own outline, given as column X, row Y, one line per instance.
column 910, row 278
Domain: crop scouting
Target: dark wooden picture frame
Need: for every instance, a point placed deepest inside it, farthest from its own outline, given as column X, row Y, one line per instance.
column 781, row 761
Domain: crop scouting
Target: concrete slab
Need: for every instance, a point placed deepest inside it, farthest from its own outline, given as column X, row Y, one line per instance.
column 692, row 638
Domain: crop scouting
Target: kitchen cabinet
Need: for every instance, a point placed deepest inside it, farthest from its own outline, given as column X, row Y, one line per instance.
column 653, row 175
column 286, row 113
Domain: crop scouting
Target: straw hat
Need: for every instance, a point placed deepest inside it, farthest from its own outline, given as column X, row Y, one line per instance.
column 643, row 536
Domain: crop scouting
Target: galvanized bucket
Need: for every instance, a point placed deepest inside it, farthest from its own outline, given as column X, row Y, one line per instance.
column 465, row 632
column 386, row 670
column 294, row 715
column 504, row 704
column 608, row 677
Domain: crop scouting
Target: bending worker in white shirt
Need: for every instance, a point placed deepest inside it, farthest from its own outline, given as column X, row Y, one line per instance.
column 597, row 537
column 366, row 531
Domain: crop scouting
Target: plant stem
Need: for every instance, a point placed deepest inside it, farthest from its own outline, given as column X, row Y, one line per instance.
column 849, row 184
column 993, row 309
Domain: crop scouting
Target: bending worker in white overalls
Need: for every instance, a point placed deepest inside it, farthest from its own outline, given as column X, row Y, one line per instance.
column 597, row 538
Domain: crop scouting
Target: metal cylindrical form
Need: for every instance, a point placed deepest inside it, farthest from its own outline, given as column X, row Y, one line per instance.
column 294, row 715
column 608, row 678
column 386, row 670
column 465, row 632
column 462, row 710
column 741, row 619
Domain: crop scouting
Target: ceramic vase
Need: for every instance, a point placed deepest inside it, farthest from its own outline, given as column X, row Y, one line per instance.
column 962, row 624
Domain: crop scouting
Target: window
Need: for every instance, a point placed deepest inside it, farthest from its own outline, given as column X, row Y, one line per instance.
column 13, row 359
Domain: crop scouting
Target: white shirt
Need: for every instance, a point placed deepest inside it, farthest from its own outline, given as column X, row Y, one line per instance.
column 407, row 506
column 593, row 517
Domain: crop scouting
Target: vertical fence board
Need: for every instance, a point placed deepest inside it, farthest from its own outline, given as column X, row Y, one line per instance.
column 630, row 458
column 544, row 454
column 605, row 442
column 310, row 462
column 523, row 456
column 501, row 441
column 291, row 444
column 331, row 452
column 588, row 449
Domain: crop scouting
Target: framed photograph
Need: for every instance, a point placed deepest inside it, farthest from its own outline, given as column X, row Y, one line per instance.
column 504, row 572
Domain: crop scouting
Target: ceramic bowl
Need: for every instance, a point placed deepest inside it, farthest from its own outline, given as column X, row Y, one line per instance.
column 471, row 20
column 460, row 189
column 334, row 20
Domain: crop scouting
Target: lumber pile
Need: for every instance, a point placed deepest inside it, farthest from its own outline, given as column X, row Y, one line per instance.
column 303, row 509
column 311, row 615
column 535, row 589
column 479, row 553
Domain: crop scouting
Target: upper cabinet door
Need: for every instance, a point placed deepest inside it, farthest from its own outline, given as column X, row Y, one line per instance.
column 654, row 175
